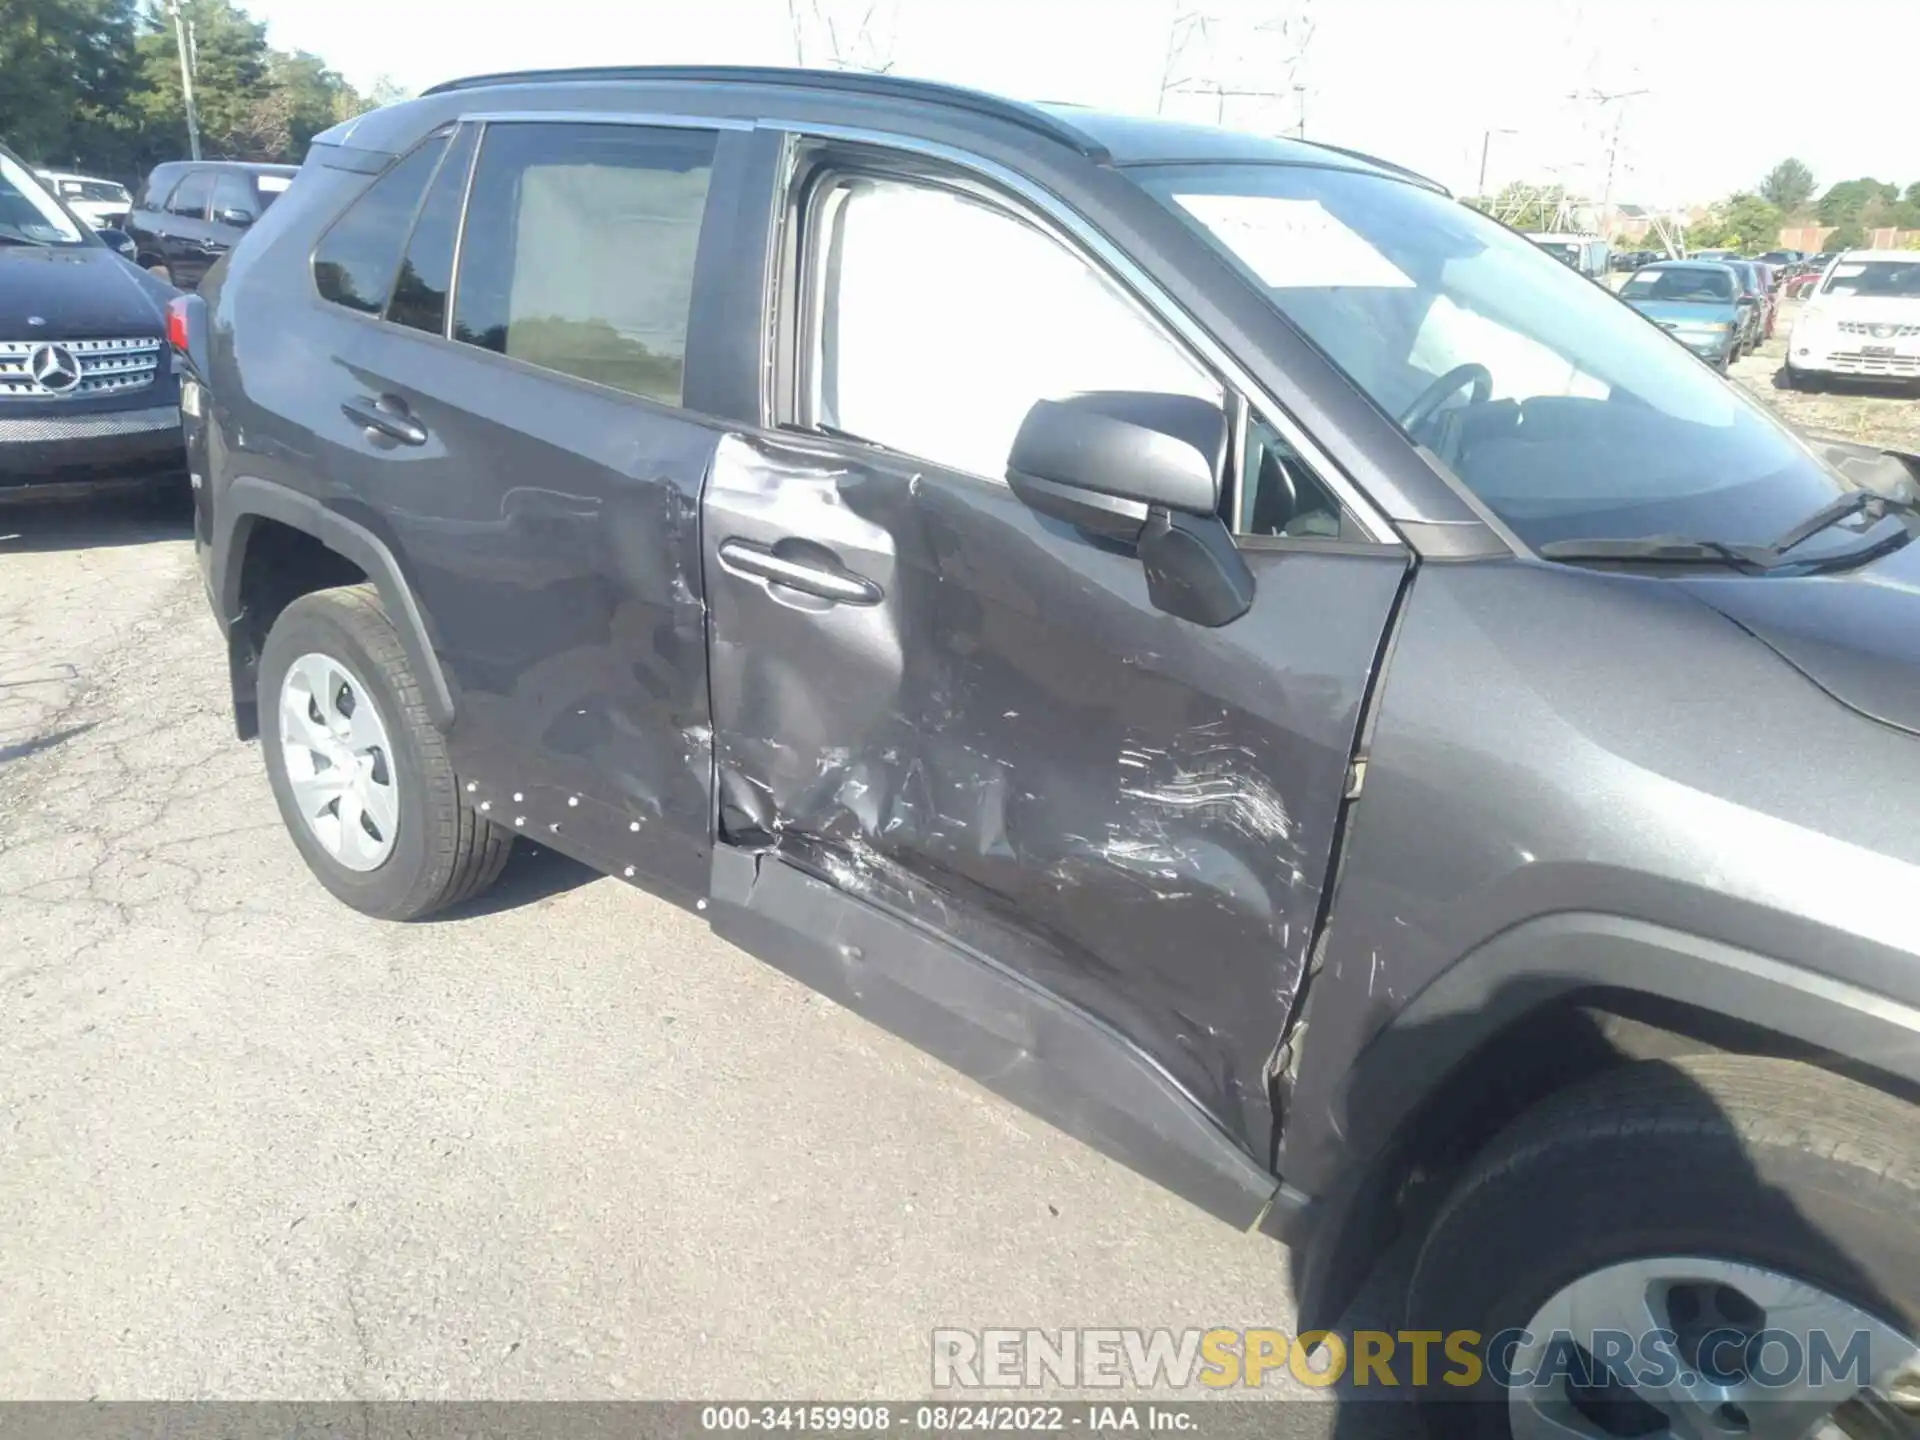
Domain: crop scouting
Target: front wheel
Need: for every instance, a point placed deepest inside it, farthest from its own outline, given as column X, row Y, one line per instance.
column 1714, row 1248
column 358, row 768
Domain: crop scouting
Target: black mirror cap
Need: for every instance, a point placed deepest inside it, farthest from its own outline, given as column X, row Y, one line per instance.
column 1194, row 570
column 1145, row 447
column 119, row 242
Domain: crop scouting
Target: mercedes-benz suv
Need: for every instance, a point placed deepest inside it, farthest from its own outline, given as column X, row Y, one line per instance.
column 89, row 393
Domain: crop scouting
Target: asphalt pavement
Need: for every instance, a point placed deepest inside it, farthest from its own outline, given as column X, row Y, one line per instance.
column 562, row 1145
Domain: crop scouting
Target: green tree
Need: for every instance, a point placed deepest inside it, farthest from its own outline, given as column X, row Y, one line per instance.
column 230, row 75
column 1740, row 222
column 1846, row 236
column 1912, row 196
column 66, row 70
column 301, row 97
column 1851, row 200
column 1789, row 185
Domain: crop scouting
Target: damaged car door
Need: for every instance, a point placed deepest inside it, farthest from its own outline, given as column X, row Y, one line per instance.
column 975, row 715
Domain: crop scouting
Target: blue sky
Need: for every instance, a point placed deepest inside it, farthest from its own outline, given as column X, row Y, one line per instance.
column 1733, row 84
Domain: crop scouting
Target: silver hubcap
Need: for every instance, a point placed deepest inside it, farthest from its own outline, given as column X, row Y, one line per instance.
column 1705, row 1350
column 339, row 762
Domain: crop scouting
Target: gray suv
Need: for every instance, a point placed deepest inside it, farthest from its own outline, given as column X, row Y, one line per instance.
column 1232, row 648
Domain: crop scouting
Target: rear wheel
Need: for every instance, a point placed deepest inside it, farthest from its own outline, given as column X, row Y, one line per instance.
column 360, row 772
column 1660, row 1247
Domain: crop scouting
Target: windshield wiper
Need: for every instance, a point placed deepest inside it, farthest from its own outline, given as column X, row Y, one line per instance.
column 1754, row 559
column 1870, row 503
column 6, row 239
column 1661, row 550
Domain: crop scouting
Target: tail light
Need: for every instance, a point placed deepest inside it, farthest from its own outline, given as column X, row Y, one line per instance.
column 177, row 323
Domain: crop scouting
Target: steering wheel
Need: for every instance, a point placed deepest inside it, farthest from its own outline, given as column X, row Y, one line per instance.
column 1423, row 408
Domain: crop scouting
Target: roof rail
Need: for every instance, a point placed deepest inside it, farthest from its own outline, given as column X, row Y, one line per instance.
column 1388, row 165
column 858, row 82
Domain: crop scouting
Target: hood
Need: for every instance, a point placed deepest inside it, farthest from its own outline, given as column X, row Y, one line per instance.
column 1855, row 634
column 1688, row 312
column 1888, row 309
column 81, row 291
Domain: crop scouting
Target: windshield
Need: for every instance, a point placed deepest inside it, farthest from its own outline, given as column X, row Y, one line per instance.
column 1875, row 277
column 28, row 213
column 1561, row 408
column 71, row 190
column 1561, row 251
column 1696, row 283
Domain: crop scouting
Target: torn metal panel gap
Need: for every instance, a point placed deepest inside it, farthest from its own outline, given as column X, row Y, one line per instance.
column 1283, row 1067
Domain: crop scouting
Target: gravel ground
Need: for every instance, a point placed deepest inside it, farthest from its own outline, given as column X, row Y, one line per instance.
column 564, row 1145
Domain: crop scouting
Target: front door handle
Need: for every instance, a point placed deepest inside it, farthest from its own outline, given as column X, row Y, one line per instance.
column 809, row 568
column 386, row 415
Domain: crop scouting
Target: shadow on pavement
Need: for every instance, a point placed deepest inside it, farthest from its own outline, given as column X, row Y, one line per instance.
column 23, row 748
column 533, row 873
column 134, row 517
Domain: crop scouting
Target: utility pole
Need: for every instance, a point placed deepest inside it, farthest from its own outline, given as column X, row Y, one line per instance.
column 1300, row 101
column 186, row 79
column 1613, row 144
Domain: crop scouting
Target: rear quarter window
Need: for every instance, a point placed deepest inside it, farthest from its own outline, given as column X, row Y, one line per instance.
column 356, row 260
column 579, row 250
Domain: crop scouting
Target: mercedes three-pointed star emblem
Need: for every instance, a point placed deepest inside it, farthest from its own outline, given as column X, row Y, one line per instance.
column 54, row 368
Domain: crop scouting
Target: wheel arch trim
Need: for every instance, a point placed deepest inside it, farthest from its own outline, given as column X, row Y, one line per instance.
column 1526, row 971
column 249, row 499
column 1547, row 958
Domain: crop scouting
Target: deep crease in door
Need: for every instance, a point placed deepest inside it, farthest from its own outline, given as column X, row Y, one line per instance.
column 1014, row 749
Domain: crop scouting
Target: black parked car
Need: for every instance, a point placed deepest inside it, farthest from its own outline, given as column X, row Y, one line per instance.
column 193, row 212
column 89, row 399
column 1244, row 654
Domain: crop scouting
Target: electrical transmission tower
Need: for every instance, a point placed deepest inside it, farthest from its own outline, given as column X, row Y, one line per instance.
column 1238, row 63
column 844, row 34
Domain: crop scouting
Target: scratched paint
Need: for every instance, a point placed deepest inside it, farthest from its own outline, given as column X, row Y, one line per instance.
column 1013, row 748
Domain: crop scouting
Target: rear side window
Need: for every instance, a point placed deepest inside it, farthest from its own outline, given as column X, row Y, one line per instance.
column 190, row 199
column 355, row 262
column 580, row 247
column 426, row 273
column 233, row 191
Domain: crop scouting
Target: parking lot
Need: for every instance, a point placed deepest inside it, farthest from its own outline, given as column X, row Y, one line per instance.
column 566, row 1144
column 1875, row 414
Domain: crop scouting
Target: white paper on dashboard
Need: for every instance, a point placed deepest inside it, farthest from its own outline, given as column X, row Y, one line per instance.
column 1293, row 244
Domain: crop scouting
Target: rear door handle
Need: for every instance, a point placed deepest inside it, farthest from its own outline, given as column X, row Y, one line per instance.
column 386, row 415
column 819, row 574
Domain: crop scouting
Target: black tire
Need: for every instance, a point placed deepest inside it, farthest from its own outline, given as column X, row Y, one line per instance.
column 444, row 852
column 1801, row 380
column 1768, row 1162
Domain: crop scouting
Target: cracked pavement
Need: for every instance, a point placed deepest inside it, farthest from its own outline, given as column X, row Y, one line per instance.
column 564, row 1145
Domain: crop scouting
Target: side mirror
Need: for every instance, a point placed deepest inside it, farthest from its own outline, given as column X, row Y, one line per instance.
column 1142, row 469
column 237, row 217
column 120, row 242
